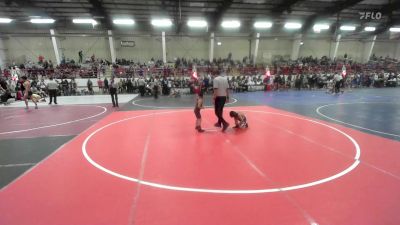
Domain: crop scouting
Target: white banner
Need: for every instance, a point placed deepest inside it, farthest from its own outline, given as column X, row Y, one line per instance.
column 128, row 44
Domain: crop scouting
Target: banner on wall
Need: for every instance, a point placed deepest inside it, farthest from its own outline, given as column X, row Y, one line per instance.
column 128, row 44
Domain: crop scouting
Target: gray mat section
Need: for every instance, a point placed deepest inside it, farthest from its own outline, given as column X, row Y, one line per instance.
column 25, row 150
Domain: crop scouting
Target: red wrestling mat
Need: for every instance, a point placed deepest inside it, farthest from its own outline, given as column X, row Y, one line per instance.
column 284, row 169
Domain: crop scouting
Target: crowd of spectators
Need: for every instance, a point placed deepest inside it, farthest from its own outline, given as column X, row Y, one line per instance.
column 93, row 68
column 303, row 73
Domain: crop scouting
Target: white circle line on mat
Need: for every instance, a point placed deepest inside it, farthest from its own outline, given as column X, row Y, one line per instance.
column 173, row 107
column 222, row 191
column 59, row 124
column 349, row 124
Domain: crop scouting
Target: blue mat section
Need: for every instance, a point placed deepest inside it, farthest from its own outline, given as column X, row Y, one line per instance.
column 380, row 117
column 375, row 111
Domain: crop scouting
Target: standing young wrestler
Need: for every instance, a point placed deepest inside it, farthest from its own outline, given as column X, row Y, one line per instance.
column 197, row 108
column 27, row 91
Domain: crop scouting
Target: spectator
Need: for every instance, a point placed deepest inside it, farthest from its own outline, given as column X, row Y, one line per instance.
column 113, row 92
column 142, row 85
column 80, row 54
column 105, row 85
column 100, row 84
column 73, row 86
column 90, row 87
column 65, row 87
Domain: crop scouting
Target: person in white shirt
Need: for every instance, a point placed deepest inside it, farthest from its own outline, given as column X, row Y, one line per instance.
column 221, row 95
column 338, row 82
column 52, row 87
column 155, row 85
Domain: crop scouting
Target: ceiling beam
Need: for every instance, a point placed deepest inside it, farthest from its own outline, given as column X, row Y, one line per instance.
column 216, row 16
column 165, row 10
column 178, row 16
column 337, row 8
column 99, row 11
column 284, row 6
column 386, row 25
column 390, row 7
column 387, row 11
column 28, row 7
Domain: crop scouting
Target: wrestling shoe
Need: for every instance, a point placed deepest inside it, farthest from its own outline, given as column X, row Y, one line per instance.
column 225, row 127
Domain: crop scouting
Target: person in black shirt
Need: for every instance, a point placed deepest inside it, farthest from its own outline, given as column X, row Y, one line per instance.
column 106, row 85
column 114, row 92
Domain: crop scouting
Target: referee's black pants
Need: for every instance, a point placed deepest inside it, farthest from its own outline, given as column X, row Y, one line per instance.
column 114, row 96
column 219, row 109
column 53, row 94
column 142, row 90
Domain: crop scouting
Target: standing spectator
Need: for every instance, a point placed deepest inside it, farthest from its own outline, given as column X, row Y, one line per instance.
column 63, row 61
column 266, row 81
column 65, row 87
column 221, row 95
column 156, row 87
column 134, row 83
column 41, row 85
column 106, row 85
column 129, row 86
column 5, row 92
column 80, row 54
column 73, row 86
column 40, row 59
column 141, row 84
column 52, row 86
column 113, row 92
column 45, row 65
column 90, row 87
column 338, row 82
column 3, row 84
column 123, row 86
column 100, row 84
column 206, row 83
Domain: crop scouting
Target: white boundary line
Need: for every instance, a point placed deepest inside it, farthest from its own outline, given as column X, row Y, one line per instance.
column 59, row 124
column 18, row 164
column 246, row 159
column 223, row 191
column 174, row 107
column 42, row 161
column 363, row 128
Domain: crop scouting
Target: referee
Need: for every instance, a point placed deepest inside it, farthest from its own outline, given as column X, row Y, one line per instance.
column 114, row 92
column 52, row 87
column 220, row 96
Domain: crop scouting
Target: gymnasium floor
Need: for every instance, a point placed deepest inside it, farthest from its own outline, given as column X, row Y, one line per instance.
column 307, row 158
